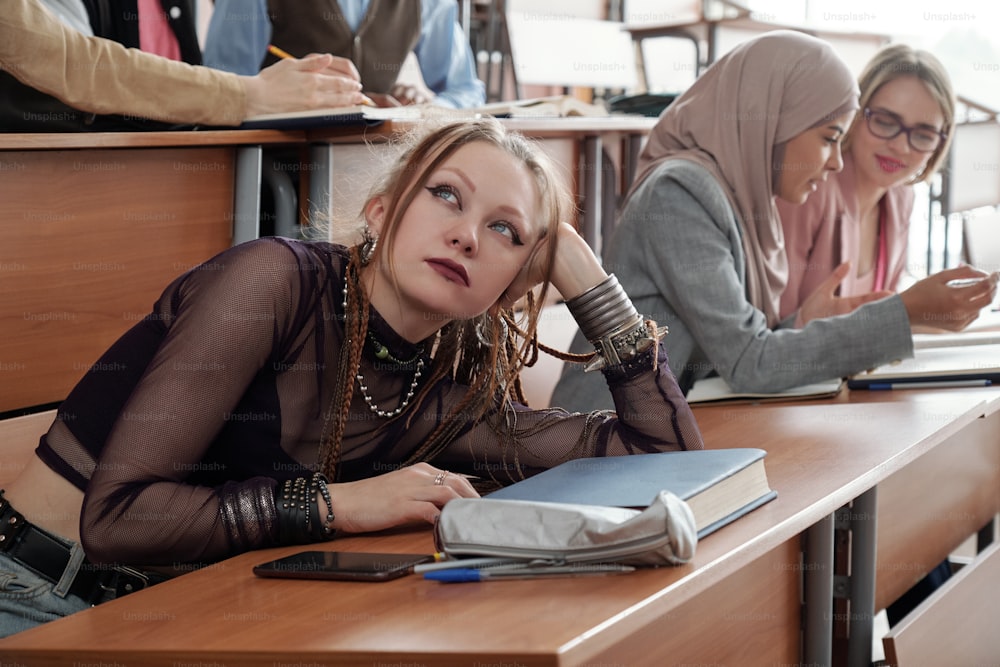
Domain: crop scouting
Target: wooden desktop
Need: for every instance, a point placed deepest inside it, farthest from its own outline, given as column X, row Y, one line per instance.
column 739, row 596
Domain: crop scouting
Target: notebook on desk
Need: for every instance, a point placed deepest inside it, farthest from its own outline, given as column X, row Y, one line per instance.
column 332, row 117
column 956, row 364
column 719, row 485
column 716, row 390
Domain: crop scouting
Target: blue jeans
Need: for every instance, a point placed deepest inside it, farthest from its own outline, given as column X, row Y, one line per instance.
column 28, row 600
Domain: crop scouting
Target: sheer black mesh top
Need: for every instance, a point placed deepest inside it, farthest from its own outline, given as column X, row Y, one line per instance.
column 196, row 413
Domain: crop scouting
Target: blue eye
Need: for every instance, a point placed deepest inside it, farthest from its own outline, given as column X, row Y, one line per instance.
column 445, row 192
column 507, row 230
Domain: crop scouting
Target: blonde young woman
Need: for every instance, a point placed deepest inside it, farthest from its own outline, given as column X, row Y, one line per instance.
column 850, row 238
column 288, row 391
column 851, row 235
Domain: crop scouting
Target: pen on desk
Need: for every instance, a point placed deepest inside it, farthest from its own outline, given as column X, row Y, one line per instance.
column 942, row 384
column 464, row 575
column 285, row 55
column 467, row 563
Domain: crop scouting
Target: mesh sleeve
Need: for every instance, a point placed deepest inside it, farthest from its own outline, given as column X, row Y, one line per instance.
column 223, row 320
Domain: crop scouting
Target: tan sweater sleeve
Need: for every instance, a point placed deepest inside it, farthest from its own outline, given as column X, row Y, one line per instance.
column 101, row 76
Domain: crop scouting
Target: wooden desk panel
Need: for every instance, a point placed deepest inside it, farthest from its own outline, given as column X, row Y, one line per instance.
column 756, row 610
column 53, row 141
column 91, row 239
column 931, row 506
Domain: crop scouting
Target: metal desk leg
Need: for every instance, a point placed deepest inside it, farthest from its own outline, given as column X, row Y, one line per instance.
column 246, row 204
column 592, row 187
column 635, row 144
column 862, row 586
column 817, row 581
column 320, row 181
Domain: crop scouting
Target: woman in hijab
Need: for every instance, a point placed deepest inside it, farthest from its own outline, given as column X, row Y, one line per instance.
column 699, row 245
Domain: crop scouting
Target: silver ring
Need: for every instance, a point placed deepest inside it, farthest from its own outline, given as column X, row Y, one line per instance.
column 439, row 480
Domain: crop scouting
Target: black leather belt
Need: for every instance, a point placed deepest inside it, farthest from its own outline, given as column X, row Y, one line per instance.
column 48, row 556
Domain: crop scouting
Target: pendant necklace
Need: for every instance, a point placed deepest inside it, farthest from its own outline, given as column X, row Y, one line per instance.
column 382, row 352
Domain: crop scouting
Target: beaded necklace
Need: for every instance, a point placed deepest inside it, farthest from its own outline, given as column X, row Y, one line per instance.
column 382, row 352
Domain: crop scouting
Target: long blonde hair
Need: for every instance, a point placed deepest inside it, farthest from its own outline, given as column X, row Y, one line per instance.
column 485, row 353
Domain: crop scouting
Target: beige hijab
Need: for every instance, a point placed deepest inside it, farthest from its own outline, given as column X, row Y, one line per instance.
column 734, row 119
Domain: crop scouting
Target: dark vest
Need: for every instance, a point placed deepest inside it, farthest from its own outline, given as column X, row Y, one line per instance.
column 119, row 20
column 388, row 32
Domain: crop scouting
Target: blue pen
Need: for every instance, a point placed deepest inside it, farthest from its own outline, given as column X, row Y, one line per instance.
column 943, row 384
column 467, row 563
column 464, row 575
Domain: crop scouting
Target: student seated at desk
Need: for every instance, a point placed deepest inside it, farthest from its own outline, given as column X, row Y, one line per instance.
column 852, row 233
column 699, row 242
column 376, row 35
column 389, row 368
column 39, row 51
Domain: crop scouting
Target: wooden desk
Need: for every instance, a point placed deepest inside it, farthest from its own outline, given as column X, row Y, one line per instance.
column 738, row 597
column 930, row 506
column 586, row 150
column 920, row 503
column 95, row 226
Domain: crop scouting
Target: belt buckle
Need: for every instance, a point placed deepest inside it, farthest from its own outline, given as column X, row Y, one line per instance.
column 12, row 525
column 127, row 580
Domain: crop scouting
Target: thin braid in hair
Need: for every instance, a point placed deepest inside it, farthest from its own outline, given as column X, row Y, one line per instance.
column 355, row 329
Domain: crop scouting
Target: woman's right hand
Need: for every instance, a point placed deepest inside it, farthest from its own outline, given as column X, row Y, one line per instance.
column 406, row 495
column 933, row 303
column 317, row 81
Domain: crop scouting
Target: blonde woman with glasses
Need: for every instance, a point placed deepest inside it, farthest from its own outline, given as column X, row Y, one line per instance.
column 852, row 232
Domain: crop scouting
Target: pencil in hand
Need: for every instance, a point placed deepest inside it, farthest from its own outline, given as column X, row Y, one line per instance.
column 285, row 55
column 279, row 53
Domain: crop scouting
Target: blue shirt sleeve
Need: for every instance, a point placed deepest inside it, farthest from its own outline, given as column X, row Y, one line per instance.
column 238, row 34
column 445, row 57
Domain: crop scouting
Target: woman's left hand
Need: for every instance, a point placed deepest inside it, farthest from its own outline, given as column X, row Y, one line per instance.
column 412, row 494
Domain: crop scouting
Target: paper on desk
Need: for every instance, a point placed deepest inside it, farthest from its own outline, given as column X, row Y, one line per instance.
column 716, row 389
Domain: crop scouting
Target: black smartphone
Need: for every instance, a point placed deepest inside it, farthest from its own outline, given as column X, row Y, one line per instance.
column 341, row 565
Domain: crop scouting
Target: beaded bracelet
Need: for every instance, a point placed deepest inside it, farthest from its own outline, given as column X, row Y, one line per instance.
column 326, row 530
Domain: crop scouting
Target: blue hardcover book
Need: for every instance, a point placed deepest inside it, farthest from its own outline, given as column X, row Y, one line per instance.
column 720, row 485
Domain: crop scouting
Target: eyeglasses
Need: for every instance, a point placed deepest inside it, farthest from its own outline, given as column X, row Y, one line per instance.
column 887, row 125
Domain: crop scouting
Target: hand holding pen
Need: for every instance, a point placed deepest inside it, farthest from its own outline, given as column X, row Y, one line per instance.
column 341, row 71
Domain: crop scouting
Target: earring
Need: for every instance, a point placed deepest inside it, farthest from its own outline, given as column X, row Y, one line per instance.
column 486, row 320
column 484, row 341
column 368, row 244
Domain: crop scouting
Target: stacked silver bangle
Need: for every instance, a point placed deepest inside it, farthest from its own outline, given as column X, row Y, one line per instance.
column 611, row 323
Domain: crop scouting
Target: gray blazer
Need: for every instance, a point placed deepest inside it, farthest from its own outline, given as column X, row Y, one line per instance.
column 677, row 252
